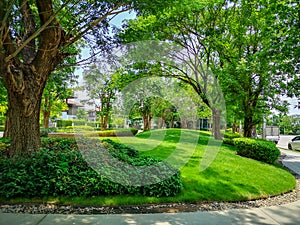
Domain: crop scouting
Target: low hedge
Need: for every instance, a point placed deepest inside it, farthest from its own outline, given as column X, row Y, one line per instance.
column 258, row 149
column 79, row 128
column 231, row 135
column 59, row 169
column 113, row 133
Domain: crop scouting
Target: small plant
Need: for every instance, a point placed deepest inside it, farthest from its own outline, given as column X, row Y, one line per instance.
column 261, row 150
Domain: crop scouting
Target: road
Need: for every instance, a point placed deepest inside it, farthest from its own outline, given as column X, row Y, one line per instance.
column 283, row 141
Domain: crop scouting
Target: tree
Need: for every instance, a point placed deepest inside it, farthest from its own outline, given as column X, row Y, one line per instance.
column 253, row 67
column 101, row 90
column 35, row 38
column 81, row 114
column 194, row 26
column 55, row 94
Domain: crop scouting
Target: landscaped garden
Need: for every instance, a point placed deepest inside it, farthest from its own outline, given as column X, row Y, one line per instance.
column 59, row 174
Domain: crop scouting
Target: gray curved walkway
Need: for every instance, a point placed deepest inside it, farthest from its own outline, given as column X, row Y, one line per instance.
column 284, row 214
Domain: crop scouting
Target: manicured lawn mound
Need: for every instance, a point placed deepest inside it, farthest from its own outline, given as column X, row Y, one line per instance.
column 229, row 177
column 59, row 169
column 261, row 150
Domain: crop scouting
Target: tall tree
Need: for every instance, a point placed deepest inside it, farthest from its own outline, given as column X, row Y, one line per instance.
column 101, row 90
column 255, row 67
column 56, row 92
column 194, row 26
column 35, row 37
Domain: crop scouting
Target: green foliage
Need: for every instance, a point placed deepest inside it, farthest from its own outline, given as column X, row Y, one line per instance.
column 113, row 133
column 261, row 150
column 64, row 123
column 93, row 124
column 68, row 123
column 81, row 114
column 79, row 128
column 58, row 169
column 2, row 128
column 231, row 135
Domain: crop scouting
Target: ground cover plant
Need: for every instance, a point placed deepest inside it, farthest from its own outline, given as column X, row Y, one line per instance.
column 229, row 177
column 59, row 169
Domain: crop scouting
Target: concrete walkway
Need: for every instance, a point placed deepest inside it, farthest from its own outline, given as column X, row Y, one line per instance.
column 284, row 214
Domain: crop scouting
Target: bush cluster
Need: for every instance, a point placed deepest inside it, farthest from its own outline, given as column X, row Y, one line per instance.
column 113, row 133
column 229, row 137
column 59, row 168
column 258, row 149
column 66, row 123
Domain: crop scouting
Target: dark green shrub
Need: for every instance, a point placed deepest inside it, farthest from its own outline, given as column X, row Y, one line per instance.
column 228, row 141
column 258, row 149
column 2, row 128
column 60, row 169
column 64, row 123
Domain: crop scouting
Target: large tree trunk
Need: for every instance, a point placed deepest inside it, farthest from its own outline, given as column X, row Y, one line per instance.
column 216, row 126
column 24, row 98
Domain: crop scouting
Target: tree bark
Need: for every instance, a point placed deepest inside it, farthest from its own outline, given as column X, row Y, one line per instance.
column 160, row 123
column 6, row 131
column 46, row 115
column 24, row 98
column 248, row 126
column 234, row 127
column 104, row 122
column 216, row 126
column 184, row 124
column 147, row 122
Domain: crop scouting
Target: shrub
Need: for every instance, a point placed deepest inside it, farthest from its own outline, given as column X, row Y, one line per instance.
column 113, row 133
column 59, row 168
column 93, row 124
column 2, row 128
column 79, row 122
column 64, row 123
column 228, row 141
column 231, row 135
column 79, row 128
column 261, row 150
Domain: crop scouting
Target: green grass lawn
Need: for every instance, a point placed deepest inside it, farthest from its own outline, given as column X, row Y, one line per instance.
column 228, row 177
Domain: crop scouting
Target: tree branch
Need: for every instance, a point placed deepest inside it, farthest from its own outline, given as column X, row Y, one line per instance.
column 92, row 24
